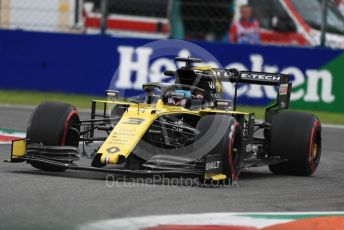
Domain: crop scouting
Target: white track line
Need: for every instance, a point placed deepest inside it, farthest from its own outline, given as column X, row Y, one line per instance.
column 333, row 126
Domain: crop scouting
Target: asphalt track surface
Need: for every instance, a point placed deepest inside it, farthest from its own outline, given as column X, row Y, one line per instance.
column 31, row 199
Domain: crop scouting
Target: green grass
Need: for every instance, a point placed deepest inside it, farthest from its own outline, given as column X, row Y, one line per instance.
column 34, row 98
column 84, row 101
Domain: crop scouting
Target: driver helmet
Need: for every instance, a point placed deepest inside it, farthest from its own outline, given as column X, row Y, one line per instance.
column 179, row 97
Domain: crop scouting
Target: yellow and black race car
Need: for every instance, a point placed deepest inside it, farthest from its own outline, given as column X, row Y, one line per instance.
column 184, row 129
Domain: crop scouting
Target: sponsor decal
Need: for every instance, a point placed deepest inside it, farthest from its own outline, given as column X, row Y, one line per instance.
column 222, row 104
column 211, row 85
column 112, row 150
column 283, row 89
column 225, row 103
column 310, row 85
column 134, row 121
column 317, row 82
column 212, row 165
column 261, row 77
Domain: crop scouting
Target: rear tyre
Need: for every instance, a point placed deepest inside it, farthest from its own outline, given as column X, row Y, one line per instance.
column 229, row 145
column 53, row 124
column 296, row 137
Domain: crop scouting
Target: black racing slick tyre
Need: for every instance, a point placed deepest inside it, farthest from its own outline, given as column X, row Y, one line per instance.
column 296, row 137
column 53, row 124
column 228, row 144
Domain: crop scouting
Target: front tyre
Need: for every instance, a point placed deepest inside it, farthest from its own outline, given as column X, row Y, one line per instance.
column 228, row 139
column 296, row 137
column 53, row 124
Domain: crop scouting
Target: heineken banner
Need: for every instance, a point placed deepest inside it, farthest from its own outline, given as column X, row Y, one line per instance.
column 90, row 64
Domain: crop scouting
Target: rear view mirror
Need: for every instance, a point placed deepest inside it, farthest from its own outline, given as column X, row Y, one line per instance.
column 111, row 93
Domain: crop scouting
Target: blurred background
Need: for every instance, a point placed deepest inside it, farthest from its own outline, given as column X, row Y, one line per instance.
column 73, row 46
column 286, row 22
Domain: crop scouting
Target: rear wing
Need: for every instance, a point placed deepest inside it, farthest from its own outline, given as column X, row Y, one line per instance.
column 250, row 77
column 259, row 78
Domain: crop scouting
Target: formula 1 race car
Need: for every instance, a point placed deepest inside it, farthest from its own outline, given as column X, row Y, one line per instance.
column 184, row 129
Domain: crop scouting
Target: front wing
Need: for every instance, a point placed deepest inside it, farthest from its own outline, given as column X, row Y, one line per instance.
column 63, row 156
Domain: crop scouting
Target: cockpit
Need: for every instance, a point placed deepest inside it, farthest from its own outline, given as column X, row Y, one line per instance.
column 185, row 96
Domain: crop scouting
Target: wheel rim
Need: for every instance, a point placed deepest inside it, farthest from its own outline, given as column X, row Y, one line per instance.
column 73, row 132
column 316, row 149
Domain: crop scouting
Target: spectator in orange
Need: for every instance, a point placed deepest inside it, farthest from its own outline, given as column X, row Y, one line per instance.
column 246, row 30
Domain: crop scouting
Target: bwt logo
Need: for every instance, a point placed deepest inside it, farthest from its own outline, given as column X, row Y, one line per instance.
column 135, row 69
